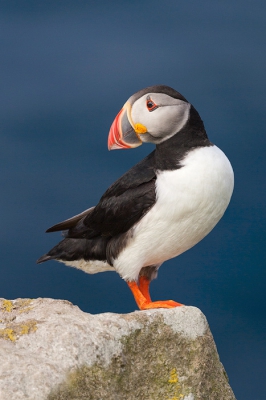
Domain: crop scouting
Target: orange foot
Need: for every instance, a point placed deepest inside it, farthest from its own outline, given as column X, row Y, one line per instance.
column 142, row 296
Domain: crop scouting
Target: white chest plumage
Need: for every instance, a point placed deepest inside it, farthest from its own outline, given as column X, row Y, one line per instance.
column 189, row 203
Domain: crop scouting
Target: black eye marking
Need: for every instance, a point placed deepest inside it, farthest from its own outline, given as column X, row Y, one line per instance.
column 151, row 106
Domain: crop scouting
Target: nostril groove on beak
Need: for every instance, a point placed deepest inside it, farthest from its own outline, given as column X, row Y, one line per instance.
column 128, row 132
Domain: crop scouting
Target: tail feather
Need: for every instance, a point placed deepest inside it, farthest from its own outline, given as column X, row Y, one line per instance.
column 43, row 258
column 69, row 223
column 71, row 249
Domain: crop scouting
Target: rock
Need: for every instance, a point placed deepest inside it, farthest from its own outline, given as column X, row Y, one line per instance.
column 52, row 350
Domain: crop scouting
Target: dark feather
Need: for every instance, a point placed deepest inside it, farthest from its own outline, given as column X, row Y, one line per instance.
column 68, row 223
column 122, row 205
column 75, row 249
column 100, row 232
column 143, row 171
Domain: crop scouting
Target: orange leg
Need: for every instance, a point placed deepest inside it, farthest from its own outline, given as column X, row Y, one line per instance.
column 145, row 303
column 144, row 284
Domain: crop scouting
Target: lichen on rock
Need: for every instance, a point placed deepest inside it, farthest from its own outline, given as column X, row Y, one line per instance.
column 10, row 328
column 156, row 354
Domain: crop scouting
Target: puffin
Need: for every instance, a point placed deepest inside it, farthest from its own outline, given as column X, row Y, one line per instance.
column 161, row 207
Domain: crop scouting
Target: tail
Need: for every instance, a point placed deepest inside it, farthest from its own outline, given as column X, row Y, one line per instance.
column 44, row 258
column 71, row 249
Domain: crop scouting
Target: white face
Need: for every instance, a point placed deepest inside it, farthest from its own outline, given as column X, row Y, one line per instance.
column 162, row 121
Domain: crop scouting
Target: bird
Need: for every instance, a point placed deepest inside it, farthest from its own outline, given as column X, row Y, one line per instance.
column 161, row 207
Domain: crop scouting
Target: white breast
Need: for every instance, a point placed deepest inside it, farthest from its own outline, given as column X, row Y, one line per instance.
column 190, row 201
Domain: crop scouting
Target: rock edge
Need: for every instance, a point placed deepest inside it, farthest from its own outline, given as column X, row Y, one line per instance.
column 51, row 350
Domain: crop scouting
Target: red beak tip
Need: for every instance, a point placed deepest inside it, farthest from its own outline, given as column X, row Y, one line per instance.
column 116, row 139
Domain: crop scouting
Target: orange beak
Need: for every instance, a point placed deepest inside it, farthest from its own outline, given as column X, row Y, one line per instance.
column 122, row 135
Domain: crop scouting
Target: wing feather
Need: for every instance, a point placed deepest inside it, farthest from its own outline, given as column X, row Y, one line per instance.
column 70, row 222
column 121, row 206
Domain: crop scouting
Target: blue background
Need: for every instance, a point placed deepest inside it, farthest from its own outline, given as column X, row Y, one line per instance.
column 67, row 67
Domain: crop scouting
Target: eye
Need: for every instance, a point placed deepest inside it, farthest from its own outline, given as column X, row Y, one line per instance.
column 151, row 106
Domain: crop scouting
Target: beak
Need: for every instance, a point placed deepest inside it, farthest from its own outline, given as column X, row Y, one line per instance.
column 122, row 135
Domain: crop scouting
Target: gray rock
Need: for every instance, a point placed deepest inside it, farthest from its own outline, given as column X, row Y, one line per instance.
column 52, row 350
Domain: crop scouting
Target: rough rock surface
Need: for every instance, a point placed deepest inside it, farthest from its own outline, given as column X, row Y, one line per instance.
column 50, row 349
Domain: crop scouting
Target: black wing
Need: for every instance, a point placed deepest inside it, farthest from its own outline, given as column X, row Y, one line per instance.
column 121, row 206
column 70, row 222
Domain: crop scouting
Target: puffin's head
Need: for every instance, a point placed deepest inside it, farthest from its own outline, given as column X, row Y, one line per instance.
column 151, row 115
